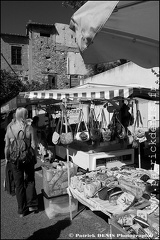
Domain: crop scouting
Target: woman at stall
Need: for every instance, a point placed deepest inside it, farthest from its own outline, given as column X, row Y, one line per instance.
column 36, row 129
column 43, row 139
column 23, row 171
column 34, row 123
column 126, row 117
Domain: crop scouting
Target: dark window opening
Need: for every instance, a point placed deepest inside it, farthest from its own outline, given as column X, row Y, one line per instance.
column 26, row 78
column 44, row 34
column 52, row 81
column 16, row 54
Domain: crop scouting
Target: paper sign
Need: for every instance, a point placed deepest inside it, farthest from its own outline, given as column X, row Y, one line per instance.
column 156, row 168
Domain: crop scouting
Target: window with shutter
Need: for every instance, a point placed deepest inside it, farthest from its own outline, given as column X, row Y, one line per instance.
column 16, row 55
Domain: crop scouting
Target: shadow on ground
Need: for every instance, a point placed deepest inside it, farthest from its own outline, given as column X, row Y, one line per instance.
column 52, row 232
column 102, row 215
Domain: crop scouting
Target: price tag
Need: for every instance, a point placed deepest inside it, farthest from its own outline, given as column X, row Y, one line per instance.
column 125, row 200
column 142, row 214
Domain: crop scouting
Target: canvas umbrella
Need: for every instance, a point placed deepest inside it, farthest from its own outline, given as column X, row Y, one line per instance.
column 111, row 30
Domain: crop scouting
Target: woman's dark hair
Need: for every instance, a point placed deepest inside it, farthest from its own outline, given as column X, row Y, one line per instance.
column 35, row 119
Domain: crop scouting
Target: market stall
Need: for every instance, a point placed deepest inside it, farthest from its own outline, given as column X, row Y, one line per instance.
column 101, row 98
column 100, row 95
column 108, row 98
column 128, row 195
column 104, row 168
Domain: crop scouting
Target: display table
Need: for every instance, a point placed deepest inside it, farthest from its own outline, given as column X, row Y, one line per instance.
column 130, row 181
column 95, row 204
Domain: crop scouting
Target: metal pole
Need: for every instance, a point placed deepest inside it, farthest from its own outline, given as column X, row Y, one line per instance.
column 139, row 146
column 139, row 155
column 68, row 168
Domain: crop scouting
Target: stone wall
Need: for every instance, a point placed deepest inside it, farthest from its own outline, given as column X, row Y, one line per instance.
column 44, row 52
column 49, row 53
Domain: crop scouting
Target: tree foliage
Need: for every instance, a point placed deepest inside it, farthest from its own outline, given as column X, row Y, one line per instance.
column 10, row 86
column 156, row 74
column 95, row 69
column 36, row 86
column 73, row 4
column 102, row 67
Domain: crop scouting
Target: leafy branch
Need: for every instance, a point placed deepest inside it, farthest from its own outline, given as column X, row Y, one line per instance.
column 73, row 4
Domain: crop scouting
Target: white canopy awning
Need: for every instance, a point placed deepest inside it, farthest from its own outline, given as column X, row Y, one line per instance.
column 111, row 30
column 90, row 92
column 81, row 93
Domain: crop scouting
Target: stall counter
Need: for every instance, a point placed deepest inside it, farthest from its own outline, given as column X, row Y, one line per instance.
column 90, row 158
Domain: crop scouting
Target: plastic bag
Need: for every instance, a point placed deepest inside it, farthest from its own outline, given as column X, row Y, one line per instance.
column 130, row 139
column 82, row 136
column 139, row 131
column 66, row 137
column 95, row 133
column 82, row 132
column 56, row 136
column 121, row 132
column 105, row 131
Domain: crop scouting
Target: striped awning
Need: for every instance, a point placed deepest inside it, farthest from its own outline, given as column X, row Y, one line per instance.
column 81, row 93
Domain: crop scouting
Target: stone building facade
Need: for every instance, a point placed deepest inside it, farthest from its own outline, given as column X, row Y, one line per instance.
column 45, row 55
column 14, row 54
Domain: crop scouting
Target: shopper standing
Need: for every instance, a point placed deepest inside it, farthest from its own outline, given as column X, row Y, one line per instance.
column 35, row 127
column 23, row 172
